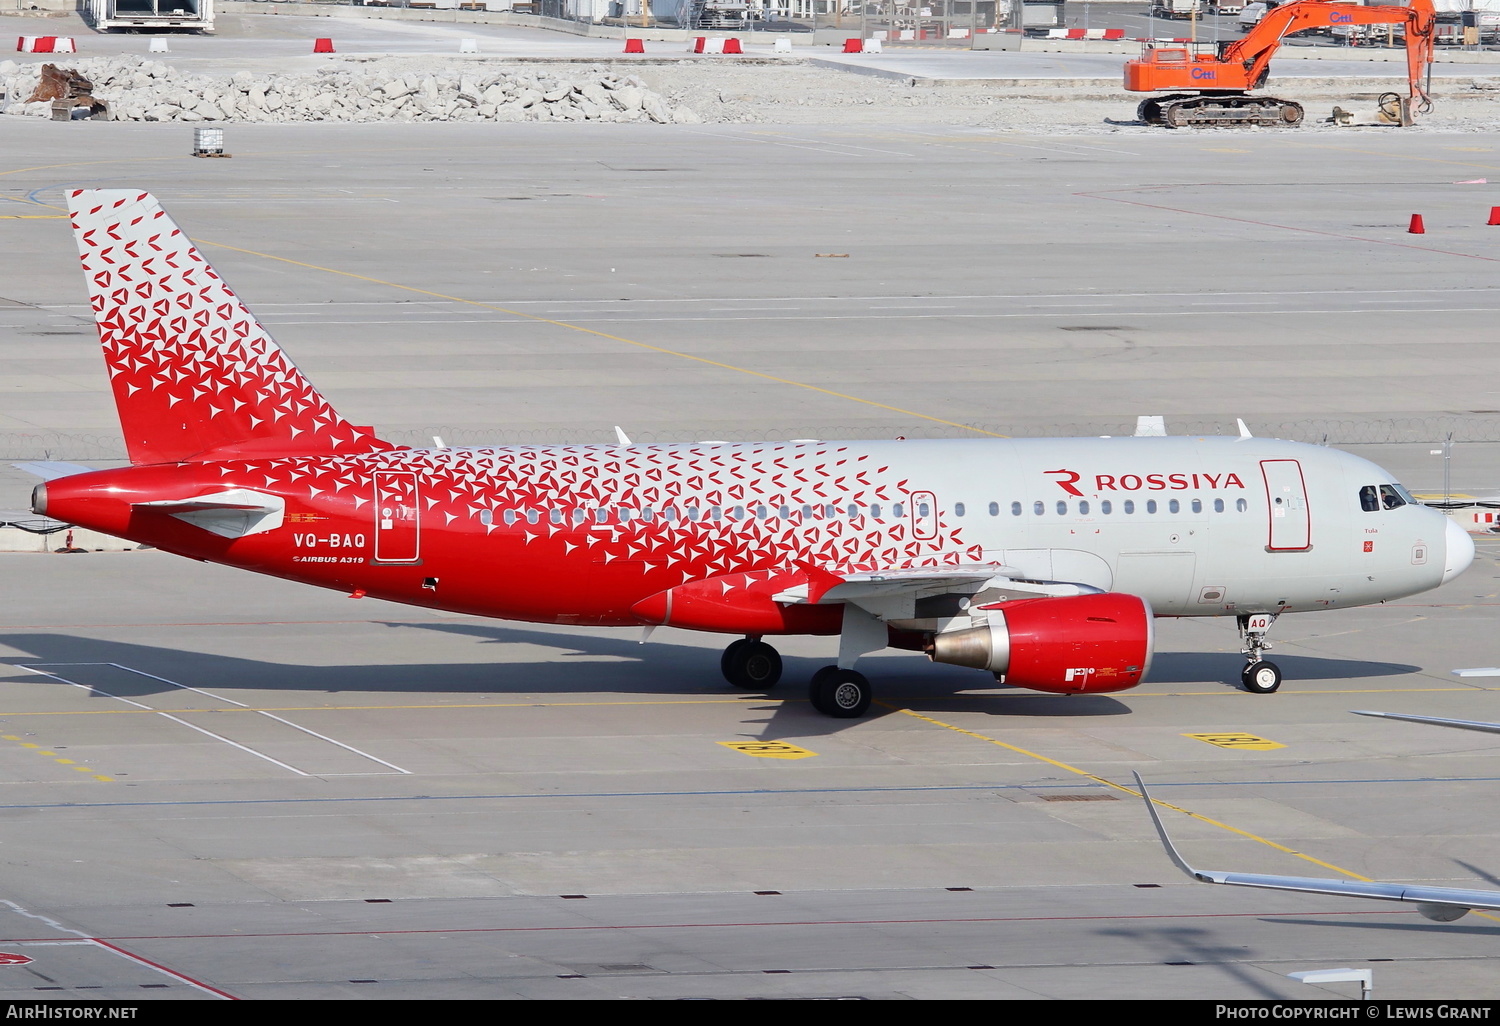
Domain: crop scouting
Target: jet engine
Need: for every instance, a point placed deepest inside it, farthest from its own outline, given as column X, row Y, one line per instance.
column 1068, row 644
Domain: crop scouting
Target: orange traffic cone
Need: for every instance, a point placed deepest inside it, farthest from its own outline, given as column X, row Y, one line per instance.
column 1417, row 227
column 635, row 46
column 1494, row 216
column 732, row 45
column 322, row 46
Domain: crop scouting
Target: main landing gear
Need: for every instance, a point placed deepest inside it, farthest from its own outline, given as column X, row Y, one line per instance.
column 751, row 664
column 1260, row 676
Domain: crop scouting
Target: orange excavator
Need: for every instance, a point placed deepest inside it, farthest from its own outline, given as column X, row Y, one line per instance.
column 1221, row 75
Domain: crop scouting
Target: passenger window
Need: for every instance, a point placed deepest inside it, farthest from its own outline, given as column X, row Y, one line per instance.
column 807, row 512
column 1106, row 507
column 1062, row 508
column 785, row 512
column 830, row 511
column 1174, row 506
column 555, row 516
column 853, row 511
column 1390, row 498
column 1150, row 505
column 958, row 509
column 715, row 513
column 601, row 516
column 875, row 512
column 669, row 514
column 1039, row 507
column 580, row 515
column 693, row 513
column 625, row 513
column 1369, row 499
column 1083, row 507
column 1129, row 506
column 1015, row 509
column 1241, row 505
column 533, row 515
column 1197, row 505
column 761, row 512
column 486, row 517
column 648, row 514
column 898, row 510
column 509, row 516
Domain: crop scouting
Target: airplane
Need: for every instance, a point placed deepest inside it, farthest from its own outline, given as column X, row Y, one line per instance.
column 1040, row 561
column 1440, row 904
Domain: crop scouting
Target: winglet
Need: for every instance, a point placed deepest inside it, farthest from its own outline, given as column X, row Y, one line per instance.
column 1161, row 832
column 621, row 436
column 1244, row 431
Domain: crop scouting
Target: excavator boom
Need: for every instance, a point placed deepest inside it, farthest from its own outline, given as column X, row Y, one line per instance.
column 1222, row 77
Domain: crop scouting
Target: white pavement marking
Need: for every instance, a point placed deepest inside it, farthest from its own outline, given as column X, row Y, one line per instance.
column 106, row 946
column 32, row 667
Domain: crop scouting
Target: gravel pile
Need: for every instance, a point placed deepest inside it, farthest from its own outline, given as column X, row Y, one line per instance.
column 144, row 90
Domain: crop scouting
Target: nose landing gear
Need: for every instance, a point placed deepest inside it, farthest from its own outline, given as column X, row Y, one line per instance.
column 1260, row 676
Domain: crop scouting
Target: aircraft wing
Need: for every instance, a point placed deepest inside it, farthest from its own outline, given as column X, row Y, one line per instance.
column 1443, row 904
column 881, row 586
column 1436, row 721
column 51, row 470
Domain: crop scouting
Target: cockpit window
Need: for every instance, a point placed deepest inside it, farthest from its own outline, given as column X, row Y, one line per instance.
column 1391, row 497
column 1369, row 499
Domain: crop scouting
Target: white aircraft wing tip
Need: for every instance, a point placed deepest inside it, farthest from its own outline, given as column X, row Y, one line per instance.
column 1166, row 840
column 1478, row 671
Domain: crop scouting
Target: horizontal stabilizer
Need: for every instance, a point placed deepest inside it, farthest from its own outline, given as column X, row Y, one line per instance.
column 234, row 513
column 50, row 470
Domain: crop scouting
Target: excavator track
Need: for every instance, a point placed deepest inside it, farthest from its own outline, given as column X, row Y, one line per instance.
column 1179, row 111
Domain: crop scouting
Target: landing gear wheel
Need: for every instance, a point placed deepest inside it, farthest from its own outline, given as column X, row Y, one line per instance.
column 751, row 664
column 843, row 694
column 1261, row 677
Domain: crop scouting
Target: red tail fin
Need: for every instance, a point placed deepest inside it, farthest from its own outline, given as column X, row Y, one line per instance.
column 195, row 376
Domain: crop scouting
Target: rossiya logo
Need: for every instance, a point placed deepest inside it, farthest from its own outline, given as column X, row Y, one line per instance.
column 1068, row 481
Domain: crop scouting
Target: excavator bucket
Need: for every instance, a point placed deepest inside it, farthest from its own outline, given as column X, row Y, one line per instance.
column 68, row 91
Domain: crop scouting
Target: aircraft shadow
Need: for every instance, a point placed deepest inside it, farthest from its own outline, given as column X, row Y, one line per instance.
column 1200, row 667
column 1418, row 926
column 568, row 664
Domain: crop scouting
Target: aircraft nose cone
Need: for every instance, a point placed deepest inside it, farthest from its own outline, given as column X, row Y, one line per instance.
column 1460, row 551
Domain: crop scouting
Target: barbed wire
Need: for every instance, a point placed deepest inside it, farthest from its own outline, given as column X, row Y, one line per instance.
column 86, row 447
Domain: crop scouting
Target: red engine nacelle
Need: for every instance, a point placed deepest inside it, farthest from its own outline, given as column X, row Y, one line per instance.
column 1083, row 643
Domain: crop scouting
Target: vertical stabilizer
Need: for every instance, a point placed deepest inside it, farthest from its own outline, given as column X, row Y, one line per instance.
column 194, row 374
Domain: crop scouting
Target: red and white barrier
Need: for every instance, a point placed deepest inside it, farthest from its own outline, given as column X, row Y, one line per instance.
column 45, row 44
column 1093, row 33
column 715, row 44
